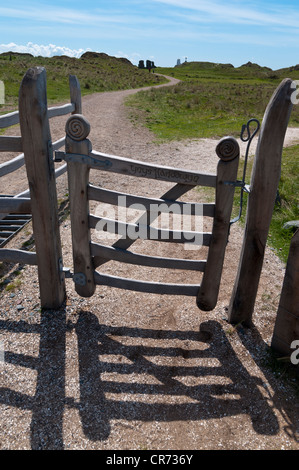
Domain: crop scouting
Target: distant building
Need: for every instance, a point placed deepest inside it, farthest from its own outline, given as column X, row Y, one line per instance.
column 149, row 65
column 178, row 62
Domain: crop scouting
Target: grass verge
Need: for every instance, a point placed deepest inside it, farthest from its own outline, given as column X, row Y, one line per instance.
column 286, row 208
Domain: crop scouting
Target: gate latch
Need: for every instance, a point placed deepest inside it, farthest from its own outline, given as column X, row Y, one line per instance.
column 78, row 278
column 241, row 184
column 79, row 158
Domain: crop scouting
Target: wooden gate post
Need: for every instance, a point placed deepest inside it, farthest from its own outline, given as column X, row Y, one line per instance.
column 286, row 328
column 228, row 151
column 77, row 129
column 263, row 190
column 37, row 148
column 75, row 94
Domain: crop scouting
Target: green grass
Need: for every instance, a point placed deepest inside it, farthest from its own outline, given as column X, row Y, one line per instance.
column 213, row 100
column 288, row 208
column 96, row 73
column 287, row 205
column 200, row 110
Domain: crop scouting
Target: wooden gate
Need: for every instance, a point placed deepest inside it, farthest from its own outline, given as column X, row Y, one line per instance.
column 88, row 256
column 40, row 199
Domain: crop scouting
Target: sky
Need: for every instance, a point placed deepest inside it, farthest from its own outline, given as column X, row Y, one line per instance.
column 235, row 31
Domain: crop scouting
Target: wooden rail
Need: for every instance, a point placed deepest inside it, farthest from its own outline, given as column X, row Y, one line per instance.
column 18, row 256
column 131, row 167
column 143, row 286
column 19, row 161
column 147, row 232
column 117, row 254
column 11, row 119
column 15, row 205
column 127, row 200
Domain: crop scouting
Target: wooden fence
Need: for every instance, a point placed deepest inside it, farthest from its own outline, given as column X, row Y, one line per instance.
column 40, row 199
column 38, row 155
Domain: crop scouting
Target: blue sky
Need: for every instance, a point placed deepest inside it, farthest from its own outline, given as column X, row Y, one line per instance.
column 234, row 31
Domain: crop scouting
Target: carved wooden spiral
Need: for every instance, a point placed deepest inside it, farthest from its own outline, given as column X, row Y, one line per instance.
column 77, row 127
column 228, row 149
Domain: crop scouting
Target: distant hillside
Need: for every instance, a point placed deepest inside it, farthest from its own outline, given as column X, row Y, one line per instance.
column 96, row 72
column 218, row 71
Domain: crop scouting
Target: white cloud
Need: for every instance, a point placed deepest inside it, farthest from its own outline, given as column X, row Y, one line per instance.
column 48, row 50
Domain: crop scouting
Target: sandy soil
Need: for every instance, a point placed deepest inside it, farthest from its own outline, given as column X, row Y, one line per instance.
column 123, row 370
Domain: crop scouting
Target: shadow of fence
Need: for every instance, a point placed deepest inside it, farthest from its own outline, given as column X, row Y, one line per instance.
column 133, row 374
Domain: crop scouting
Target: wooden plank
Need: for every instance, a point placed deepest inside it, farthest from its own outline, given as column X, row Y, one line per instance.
column 61, row 110
column 24, row 194
column 10, row 143
column 15, row 205
column 286, row 328
column 263, row 190
column 75, row 94
column 78, row 178
column 143, row 286
column 12, row 165
column 124, row 256
column 36, row 137
column 126, row 200
column 18, row 256
column 19, row 161
column 61, row 170
column 58, row 144
column 140, row 169
column 9, row 119
column 146, row 232
column 226, row 172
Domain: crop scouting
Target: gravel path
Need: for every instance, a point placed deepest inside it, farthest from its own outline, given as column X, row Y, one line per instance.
column 123, row 370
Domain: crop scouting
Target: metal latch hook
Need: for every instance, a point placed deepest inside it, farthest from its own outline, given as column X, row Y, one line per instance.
column 246, row 138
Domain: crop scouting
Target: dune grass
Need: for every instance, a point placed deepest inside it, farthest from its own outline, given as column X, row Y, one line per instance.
column 212, row 100
column 97, row 72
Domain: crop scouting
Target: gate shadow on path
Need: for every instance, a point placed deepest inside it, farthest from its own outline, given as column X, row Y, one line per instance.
column 134, row 374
